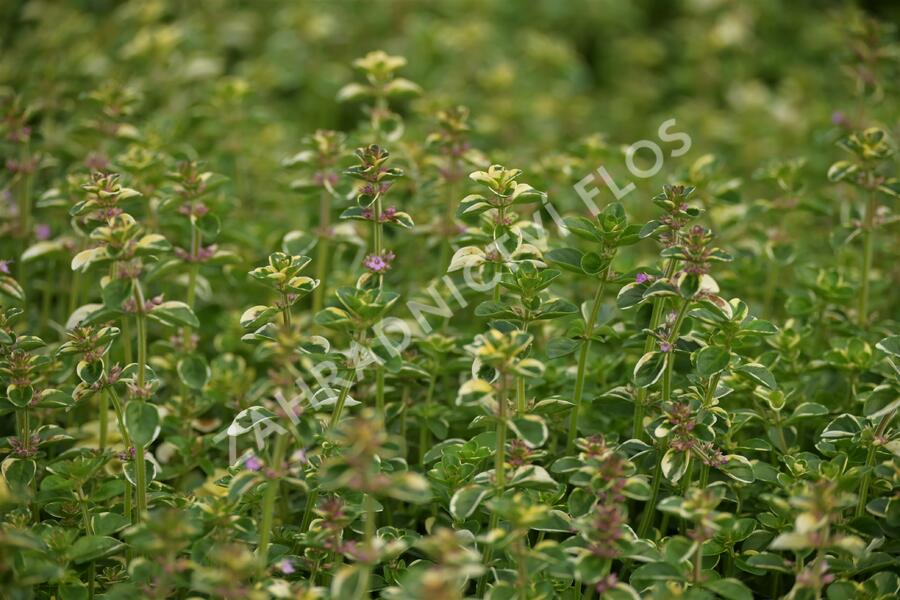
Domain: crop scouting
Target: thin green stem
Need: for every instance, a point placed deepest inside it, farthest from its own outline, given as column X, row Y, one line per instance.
column 308, row 510
column 500, row 456
column 127, row 353
column 868, row 226
column 449, row 219
column 339, row 404
column 25, row 209
column 194, row 271
column 370, row 526
column 711, row 389
column 582, row 363
column 499, row 474
column 140, row 477
column 47, row 293
column 870, row 463
column 659, row 305
column 285, row 311
column 120, row 417
column 377, row 226
column 379, row 391
column 104, row 420
column 424, row 432
column 141, row 325
column 521, row 400
column 24, row 432
column 88, row 530
column 650, row 506
column 522, row 568
column 698, row 563
column 670, row 359
column 322, row 249
column 140, row 474
column 771, row 285
column 268, row 504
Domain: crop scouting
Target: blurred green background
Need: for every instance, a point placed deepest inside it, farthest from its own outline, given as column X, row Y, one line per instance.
column 240, row 83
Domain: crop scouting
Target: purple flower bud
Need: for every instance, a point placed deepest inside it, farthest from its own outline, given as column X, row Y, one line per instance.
column 42, row 231
column 286, row 567
column 252, row 463
column 641, row 278
column 4, row 266
column 665, row 347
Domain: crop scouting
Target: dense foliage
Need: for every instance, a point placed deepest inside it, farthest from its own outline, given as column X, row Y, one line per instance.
column 577, row 300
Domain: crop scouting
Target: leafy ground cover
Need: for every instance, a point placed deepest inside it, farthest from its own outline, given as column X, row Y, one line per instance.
column 578, row 300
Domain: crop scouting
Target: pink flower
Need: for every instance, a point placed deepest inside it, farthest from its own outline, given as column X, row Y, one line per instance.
column 42, row 231
column 4, row 266
column 375, row 263
column 665, row 346
column 641, row 278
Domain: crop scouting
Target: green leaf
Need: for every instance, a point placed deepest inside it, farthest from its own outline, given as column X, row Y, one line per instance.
column 592, row 263
column 532, row 476
column 729, row 588
column 174, row 314
column 759, row 374
column 19, row 395
column 41, row 249
column 466, row 499
column 73, row 591
column 107, row 523
column 86, row 258
column 89, row 372
column 11, row 288
column 738, row 468
column 249, row 419
column 649, row 368
column 655, row 571
column 807, row 410
column 142, row 422
column 711, row 360
column 689, row 285
column 531, row 429
column 19, row 473
column 562, row 346
column 841, row 170
column 92, row 547
column 193, row 371
column 890, row 345
column 241, row 483
column 591, row 568
column 409, row 487
column 843, row 426
column 115, row 292
column 566, row 258
column 256, row 316
column 674, row 464
column 631, row 295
